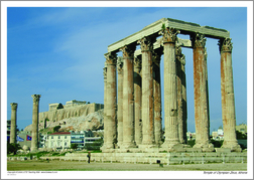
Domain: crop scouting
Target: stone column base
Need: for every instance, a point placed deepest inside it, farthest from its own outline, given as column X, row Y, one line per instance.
column 128, row 146
column 147, row 146
column 205, row 147
column 233, row 145
column 174, row 147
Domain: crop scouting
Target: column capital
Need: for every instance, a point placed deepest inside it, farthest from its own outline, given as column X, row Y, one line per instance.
column 14, row 106
column 128, row 51
column 120, row 65
column 105, row 72
column 146, row 44
column 169, row 35
column 110, row 58
column 179, row 55
column 198, row 40
column 137, row 64
column 36, row 97
column 225, row 45
column 157, row 56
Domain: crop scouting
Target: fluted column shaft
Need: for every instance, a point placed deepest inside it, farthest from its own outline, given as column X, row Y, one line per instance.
column 157, row 96
column 120, row 102
column 35, row 121
column 13, row 133
column 200, row 92
column 111, row 101
column 137, row 100
column 227, row 96
column 146, row 45
column 128, row 98
column 170, row 88
column 179, row 72
column 184, row 98
column 105, row 106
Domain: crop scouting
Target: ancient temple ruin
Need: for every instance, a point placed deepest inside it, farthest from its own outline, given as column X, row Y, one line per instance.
column 132, row 116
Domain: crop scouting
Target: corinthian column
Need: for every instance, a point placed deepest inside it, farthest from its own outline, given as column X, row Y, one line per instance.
column 179, row 72
column 146, row 45
column 128, row 98
column 157, row 95
column 105, row 106
column 111, row 101
column 120, row 101
column 137, row 100
column 35, row 119
column 201, row 94
column 13, row 122
column 227, row 96
column 170, row 88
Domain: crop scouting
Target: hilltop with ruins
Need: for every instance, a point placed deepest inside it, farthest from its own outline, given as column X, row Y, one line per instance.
column 74, row 115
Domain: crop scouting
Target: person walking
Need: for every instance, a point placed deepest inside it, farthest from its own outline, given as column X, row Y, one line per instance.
column 89, row 156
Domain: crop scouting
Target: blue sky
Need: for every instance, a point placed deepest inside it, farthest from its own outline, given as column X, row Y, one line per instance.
column 59, row 53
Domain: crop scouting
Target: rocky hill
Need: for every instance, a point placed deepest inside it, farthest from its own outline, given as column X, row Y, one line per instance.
column 93, row 121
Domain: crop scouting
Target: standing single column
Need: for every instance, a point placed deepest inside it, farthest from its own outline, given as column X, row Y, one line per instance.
column 146, row 45
column 35, row 120
column 120, row 102
column 128, row 98
column 227, row 96
column 137, row 100
column 157, row 96
column 201, row 94
column 170, row 89
column 111, row 100
column 179, row 94
column 105, row 107
column 13, row 122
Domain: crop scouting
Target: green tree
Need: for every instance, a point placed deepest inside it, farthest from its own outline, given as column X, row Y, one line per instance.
column 240, row 135
column 74, row 146
column 56, row 128
column 13, row 148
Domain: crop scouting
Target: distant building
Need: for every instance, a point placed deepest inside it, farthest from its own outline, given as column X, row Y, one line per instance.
column 59, row 140
column 242, row 128
column 191, row 136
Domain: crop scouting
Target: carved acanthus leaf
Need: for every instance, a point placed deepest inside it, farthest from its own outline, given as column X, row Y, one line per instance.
column 169, row 34
column 146, row 44
column 111, row 58
column 128, row 51
column 120, row 64
column 36, row 98
column 14, row 106
column 226, row 45
column 199, row 40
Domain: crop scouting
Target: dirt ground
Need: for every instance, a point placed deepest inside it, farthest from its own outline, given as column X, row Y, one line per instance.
column 55, row 165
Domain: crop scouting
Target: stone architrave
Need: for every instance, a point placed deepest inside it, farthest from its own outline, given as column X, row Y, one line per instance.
column 120, row 102
column 111, row 101
column 170, row 89
column 146, row 45
column 157, row 96
column 137, row 99
column 13, row 122
column 179, row 73
column 35, row 120
column 201, row 94
column 105, row 106
column 227, row 96
column 128, row 97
